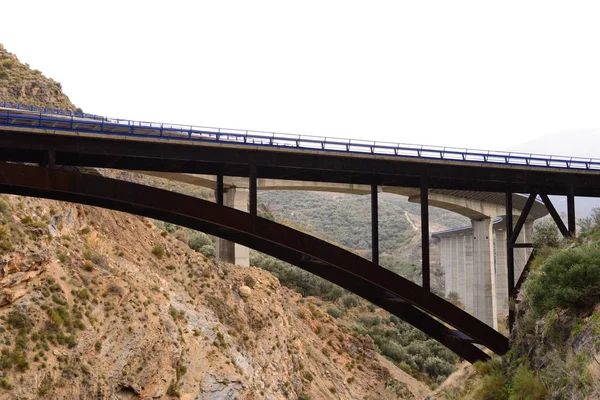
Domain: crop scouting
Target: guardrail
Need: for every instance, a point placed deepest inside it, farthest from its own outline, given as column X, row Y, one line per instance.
column 12, row 114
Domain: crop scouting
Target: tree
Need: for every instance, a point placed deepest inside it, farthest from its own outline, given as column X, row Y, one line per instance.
column 546, row 234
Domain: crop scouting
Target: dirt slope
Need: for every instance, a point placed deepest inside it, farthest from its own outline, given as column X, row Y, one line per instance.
column 96, row 304
column 101, row 304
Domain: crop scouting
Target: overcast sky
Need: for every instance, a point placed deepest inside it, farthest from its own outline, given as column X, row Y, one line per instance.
column 472, row 74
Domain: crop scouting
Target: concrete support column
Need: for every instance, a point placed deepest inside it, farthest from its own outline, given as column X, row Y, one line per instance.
column 455, row 261
column 469, row 275
column 484, row 276
column 228, row 251
column 460, row 273
column 501, row 273
column 446, row 263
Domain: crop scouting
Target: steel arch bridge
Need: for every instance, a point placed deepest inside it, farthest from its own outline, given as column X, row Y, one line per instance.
column 451, row 326
column 49, row 138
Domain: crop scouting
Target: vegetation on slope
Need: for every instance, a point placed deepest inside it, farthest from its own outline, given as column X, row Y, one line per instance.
column 555, row 346
column 404, row 345
column 21, row 84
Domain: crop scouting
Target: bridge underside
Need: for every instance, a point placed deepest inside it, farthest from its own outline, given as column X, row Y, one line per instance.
column 436, row 317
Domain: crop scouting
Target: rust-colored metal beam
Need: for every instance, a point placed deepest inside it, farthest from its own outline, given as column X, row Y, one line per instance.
column 510, row 261
column 571, row 211
column 425, row 266
column 220, row 190
column 253, row 200
column 374, row 225
column 522, row 217
column 324, row 259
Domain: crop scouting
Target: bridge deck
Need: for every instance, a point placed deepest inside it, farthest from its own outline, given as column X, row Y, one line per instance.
column 16, row 115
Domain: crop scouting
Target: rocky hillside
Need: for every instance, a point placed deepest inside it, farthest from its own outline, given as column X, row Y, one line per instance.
column 21, row 84
column 100, row 304
column 96, row 304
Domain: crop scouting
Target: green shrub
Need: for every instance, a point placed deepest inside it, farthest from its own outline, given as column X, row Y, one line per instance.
column 369, row 320
column 526, row 385
column 307, row 375
column 158, row 251
column 492, row 387
column 249, row 281
column 569, row 279
column 173, row 390
column 18, row 320
column 84, row 294
column 62, row 257
column 208, row 250
column 296, row 278
column 5, row 384
column 88, row 266
column 199, row 240
column 334, row 312
column 350, row 301
column 436, row 367
column 541, row 255
column 546, row 234
column 4, row 207
column 394, row 351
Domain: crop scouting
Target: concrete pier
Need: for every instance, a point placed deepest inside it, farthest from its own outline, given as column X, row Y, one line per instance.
column 227, row 251
column 501, row 272
column 484, row 274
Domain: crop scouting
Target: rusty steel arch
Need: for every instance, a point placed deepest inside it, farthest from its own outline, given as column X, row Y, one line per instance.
column 439, row 319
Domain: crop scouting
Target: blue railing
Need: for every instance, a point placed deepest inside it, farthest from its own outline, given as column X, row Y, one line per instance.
column 12, row 114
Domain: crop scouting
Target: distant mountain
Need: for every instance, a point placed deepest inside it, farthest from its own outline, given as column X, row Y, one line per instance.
column 575, row 143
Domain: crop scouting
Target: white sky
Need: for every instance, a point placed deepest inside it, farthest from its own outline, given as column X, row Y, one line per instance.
column 472, row 74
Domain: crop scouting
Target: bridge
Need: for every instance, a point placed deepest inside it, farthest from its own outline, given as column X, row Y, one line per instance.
column 42, row 149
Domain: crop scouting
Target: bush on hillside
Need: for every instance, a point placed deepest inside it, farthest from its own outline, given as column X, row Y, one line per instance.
column 158, row 251
column 296, row 278
column 199, row 240
column 569, row 279
column 437, row 368
column 546, row 234
column 350, row 301
column 591, row 224
column 334, row 312
column 526, row 385
column 208, row 250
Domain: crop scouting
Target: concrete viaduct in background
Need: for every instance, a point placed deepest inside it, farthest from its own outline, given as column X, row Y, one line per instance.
column 473, row 258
